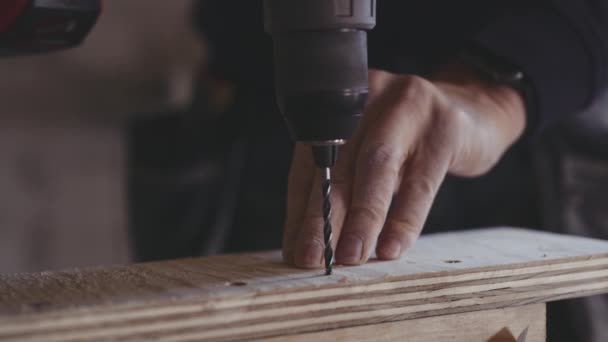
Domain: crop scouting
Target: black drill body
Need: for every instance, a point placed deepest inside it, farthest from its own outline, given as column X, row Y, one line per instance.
column 321, row 72
column 35, row 26
column 321, row 75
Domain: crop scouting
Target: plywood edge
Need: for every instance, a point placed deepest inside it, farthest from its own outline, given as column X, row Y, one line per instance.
column 247, row 322
column 251, row 296
column 462, row 327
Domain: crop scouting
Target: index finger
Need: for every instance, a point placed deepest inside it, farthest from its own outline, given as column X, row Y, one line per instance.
column 301, row 178
column 382, row 155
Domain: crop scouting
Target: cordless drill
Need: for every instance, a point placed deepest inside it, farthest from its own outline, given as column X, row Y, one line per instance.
column 38, row 26
column 321, row 77
column 320, row 52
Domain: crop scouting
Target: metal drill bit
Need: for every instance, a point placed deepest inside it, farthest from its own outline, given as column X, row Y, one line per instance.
column 327, row 229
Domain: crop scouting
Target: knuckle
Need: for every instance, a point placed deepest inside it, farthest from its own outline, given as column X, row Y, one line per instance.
column 401, row 226
column 449, row 121
column 405, row 224
column 457, row 119
column 381, row 195
column 424, row 184
column 308, row 237
column 424, row 187
column 416, row 88
column 379, row 169
column 378, row 191
column 380, row 154
column 414, row 83
column 310, row 224
column 445, row 139
column 367, row 214
column 311, row 237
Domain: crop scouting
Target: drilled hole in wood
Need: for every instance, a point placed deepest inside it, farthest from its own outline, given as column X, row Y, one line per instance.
column 452, row 261
column 237, row 283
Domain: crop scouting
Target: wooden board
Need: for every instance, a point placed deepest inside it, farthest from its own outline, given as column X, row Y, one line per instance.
column 477, row 326
column 255, row 296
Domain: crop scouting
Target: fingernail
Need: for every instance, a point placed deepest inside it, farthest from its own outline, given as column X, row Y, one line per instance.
column 349, row 250
column 309, row 254
column 389, row 249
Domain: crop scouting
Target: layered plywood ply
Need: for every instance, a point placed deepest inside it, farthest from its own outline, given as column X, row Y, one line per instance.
column 249, row 296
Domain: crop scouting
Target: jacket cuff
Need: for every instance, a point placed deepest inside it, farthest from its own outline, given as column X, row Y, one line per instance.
column 553, row 57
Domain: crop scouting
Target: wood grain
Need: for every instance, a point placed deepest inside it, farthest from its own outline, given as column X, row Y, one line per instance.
column 477, row 326
column 251, row 296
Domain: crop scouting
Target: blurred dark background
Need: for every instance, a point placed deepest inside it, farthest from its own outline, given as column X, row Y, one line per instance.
column 64, row 133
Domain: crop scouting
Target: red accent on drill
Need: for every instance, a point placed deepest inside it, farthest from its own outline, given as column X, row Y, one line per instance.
column 10, row 11
column 32, row 26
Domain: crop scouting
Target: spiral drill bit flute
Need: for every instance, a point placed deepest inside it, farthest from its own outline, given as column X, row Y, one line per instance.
column 326, row 156
column 327, row 230
column 320, row 58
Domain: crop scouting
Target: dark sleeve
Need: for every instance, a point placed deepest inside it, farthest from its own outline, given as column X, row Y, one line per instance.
column 562, row 46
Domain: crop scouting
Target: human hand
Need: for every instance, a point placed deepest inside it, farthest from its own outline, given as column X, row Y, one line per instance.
column 414, row 132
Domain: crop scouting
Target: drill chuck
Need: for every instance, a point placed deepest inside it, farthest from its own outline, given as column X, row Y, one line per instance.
column 321, row 71
column 320, row 52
